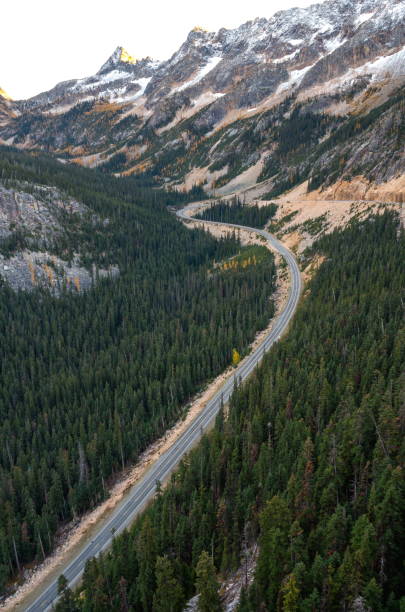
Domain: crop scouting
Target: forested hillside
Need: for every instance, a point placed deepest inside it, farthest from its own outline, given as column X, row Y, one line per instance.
column 63, row 237
column 88, row 380
column 308, row 462
column 235, row 211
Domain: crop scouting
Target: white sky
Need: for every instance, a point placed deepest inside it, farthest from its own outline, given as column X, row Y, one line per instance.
column 44, row 42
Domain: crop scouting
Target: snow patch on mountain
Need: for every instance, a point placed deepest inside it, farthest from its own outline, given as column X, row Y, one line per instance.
column 295, row 79
column 387, row 67
column 114, row 75
column 397, row 11
column 334, row 43
column 143, row 83
column 206, row 98
column 286, row 58
column 362, row 18
column 393, row 65
column 210, row 65
column 91, row 83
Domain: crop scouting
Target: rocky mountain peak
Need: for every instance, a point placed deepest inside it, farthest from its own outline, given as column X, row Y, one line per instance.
column 198, row 36
column 125, row 57
column 120, row 58
column 6, row 107
column 199, row 29
column 4, row 94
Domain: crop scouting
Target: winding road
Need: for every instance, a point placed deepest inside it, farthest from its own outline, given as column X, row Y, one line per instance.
column 143, row 491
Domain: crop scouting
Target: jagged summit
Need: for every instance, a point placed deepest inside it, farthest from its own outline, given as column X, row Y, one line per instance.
column 4, row 94
column 125, row 57
column 117, row 59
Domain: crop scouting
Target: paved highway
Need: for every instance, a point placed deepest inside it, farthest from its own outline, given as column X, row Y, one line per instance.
column 143, row 492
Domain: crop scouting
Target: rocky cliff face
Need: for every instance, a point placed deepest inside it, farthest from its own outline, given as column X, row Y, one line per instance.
column 38, row 225
column 329, row 60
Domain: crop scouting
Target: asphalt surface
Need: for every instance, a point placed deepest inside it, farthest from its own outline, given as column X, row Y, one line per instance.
column 144, row 491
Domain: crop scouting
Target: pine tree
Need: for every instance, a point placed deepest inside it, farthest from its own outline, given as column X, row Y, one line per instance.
column 207, row 585
column 168, row 595
column 290, row 594
column 66, row 601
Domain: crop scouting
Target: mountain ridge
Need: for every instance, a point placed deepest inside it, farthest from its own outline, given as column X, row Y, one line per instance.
column 339, row 58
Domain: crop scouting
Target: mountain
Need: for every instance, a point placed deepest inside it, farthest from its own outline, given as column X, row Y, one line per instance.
column 120, row 77
column 4, row 94
column 185, row 119
column 7, row 108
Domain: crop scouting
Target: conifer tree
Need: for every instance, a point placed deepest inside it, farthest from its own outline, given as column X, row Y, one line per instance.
column 207, row 585
column 168, row 595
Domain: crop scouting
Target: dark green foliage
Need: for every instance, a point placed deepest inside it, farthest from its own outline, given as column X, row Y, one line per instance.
column 360, row 123
column 207, row 585
column 66, row 602
column 309, row 460
column 14, row 242
column 301, row 131
column 168, row 595
column 277, row 226
column 296, row 135
column 234, row 211
column 316, row 225
column 285, row 181
column 88, row 380
column 165, row 157
column 115, row 164
column 193, row 195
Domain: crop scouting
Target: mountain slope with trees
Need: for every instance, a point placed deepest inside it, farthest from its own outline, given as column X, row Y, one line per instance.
column 235, row 211
column 309, row 461
column 88, row 380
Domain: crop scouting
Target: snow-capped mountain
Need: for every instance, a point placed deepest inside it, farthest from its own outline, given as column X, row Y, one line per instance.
column 120, row 77
column 338, row 57
column 295, row 48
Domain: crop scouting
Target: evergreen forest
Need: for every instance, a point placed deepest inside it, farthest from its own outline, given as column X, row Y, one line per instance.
column 235, row 211
column 89, row 380
column 308, row 462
